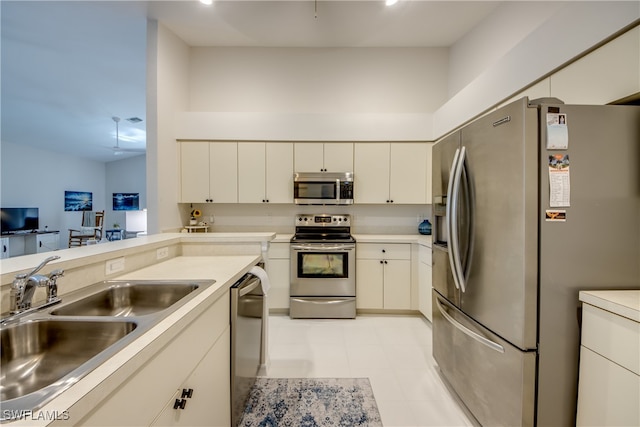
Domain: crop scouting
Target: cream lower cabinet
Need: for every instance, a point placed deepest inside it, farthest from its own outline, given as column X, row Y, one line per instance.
column 279, row 271
column 383, row 276
column 609, row 381
column 208, row 389
column 198, row 358
column 424, row 281
column 265, row 172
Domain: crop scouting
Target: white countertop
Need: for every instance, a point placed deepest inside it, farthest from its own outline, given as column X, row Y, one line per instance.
column 623, row 303
column 423, row 240
column 420, row 239
column 226, row 270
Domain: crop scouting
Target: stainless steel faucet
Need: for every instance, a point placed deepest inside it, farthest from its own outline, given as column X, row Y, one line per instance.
column 25, row 284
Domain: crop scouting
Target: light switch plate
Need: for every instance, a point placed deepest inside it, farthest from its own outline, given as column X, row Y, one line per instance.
column 114, row 265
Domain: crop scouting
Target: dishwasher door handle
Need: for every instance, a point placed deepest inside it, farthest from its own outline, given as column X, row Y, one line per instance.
column 245, row 289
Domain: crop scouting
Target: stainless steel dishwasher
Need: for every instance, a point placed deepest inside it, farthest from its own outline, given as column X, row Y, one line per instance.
column 247, row 308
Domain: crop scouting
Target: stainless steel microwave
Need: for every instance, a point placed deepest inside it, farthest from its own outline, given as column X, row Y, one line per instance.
column 323, row 188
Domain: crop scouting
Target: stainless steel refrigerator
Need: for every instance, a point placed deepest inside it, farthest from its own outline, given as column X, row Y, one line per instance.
column 532, row 203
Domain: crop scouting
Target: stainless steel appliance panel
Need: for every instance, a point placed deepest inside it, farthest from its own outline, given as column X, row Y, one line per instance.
column 323, row 269
column 499, row 152
column 322, row 308
column 247, row 305
column 597, row 247
column 495, row 380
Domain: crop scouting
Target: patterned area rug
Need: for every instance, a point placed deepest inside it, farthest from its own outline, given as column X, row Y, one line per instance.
column 311, row 402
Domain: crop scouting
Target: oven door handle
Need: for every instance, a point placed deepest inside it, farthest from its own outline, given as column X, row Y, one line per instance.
column 313, row 247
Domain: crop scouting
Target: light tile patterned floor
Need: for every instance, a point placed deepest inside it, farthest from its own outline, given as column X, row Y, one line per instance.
column 394, row 352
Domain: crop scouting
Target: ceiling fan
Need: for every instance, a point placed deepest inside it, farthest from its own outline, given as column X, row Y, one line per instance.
column 117, row 150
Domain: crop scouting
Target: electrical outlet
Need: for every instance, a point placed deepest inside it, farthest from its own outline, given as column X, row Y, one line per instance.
column 211, row 219
column 162, row 252
column 114, row 265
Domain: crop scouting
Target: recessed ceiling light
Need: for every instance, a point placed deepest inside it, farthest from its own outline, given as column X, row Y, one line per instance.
column 390, row 2
column 207, row 2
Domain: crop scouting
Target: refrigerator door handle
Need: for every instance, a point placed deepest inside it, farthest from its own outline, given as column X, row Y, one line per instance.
column 458, row 273
column 482, row 340
column 454, row 166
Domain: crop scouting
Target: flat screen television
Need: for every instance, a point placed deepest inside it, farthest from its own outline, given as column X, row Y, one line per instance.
column 15, row 220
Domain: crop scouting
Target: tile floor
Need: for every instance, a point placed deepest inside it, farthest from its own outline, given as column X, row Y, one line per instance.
column 394, row 352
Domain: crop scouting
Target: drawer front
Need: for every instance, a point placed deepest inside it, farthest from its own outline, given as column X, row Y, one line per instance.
column 383, row 251
column 279, row 251
column 612, row 336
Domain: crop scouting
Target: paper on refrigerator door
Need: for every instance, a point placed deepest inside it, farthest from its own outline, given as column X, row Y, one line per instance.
column 557, row 131
column 559, row 181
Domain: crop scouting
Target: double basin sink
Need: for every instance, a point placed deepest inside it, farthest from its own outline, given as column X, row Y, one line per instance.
column 45, row 352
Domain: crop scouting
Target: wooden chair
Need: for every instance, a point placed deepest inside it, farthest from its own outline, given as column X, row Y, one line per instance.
column 92, row 224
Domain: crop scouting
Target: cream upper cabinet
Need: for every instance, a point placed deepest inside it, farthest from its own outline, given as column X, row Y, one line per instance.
column 408, row 177
column 323, row 157
column 391, row 172
column 209, row 172
column 265, row 172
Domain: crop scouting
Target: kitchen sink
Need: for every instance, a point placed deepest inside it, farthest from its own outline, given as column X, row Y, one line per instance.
column 128, row 298
column 38, row 353
column 45, row 351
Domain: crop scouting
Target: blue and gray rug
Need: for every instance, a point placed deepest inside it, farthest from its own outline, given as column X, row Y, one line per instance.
column 311, row 402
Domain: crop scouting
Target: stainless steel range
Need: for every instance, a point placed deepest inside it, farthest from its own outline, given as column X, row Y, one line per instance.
column 323, row 281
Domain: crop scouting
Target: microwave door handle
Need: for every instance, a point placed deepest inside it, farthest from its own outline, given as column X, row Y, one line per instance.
column 338, row 189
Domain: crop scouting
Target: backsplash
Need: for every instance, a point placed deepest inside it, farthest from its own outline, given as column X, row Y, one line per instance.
column 365, row 219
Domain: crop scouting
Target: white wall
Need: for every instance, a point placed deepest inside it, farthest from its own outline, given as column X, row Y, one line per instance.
column 124, row 176
column 572, row 30
column 318, row 80
column 167, row 94
column 32, row 177
column 506, row 27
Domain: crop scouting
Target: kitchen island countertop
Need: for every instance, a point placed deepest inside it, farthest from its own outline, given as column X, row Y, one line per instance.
column 82, row 397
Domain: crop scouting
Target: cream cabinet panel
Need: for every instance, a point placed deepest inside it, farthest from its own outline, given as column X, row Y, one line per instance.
column 223, row 172
column 383, row 276
column 194, row 172
column 607, row 74
column 251, row 172
column 408, row 174
column 209, row 404
column 338, row 156
column 608, row 394
column 397, row 284
column 309, row 156
column 424, row 282
column 265, row 172
column 279, row 172
column 323, row 157
column 278, row 269
column 208, row 172
column 156, row 382
column 429, row 174
column 371, row 172
column 369, row 284
column 609, row 381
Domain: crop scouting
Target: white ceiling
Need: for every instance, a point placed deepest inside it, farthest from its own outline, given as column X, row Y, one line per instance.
column 68, row 67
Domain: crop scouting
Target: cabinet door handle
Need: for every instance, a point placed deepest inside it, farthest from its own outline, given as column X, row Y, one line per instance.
column 179, row 403
column 187, row 393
